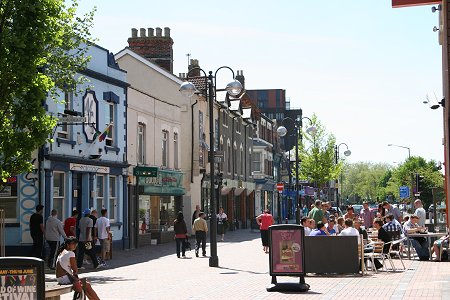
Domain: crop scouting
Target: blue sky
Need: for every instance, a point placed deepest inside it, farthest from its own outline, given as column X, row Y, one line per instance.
column 363, row 67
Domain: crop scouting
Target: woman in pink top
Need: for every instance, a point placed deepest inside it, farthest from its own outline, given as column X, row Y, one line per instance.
column 264, row 220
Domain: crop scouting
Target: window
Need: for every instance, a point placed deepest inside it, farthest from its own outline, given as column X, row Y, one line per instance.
column 257, row 162
column 175, row 150
column 238, row 125
column 229, row 159
column 216, row 136
column 224, row 118
column 141, row 144
column 63, row 131
column 241, row 162
column 109, row 120
column 201, row 138
column 112, row 198
column 8, row 199
column 165, row 148
column 235, row 160
column 100, row 192
column 59, row 193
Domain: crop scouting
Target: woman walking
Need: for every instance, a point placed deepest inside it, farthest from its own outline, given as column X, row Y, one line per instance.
column 180, row 229
column 221, row 223
column 264, row 220
column 67, row 270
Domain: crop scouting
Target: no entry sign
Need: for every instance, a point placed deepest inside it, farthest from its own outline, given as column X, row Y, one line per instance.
column 280, row 186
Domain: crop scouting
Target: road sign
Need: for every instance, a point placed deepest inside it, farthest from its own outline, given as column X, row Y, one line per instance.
column 280, row 186
column 71, row 119
column 404, row 192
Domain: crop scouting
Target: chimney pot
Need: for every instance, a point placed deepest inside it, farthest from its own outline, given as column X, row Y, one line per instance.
column 151, row 32
column 142, row 30
column 158, row 31
column 166, row 31
column 134, row 32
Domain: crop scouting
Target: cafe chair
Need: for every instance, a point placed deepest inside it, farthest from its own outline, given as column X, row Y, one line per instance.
column 396, row 249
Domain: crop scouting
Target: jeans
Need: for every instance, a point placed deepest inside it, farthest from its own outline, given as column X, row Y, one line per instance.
column 421, row 248
column 91, row 253
column 180, row 244
column 38, row 246
column 51, row 257
column 200, row 237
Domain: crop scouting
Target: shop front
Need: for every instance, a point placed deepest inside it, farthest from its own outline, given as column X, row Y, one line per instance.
column 160, row 193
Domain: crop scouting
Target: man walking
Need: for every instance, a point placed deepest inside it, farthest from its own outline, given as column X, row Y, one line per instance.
column 85, row 243
column 196, row 213
column 37, row 231
column 200, row 228
column 390, row 209
column 53, row 232
column 102, row 232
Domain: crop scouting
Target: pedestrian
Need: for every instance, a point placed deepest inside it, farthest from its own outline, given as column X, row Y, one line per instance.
column 102, row 228
column 70, row 224
column 179, row 226
column 222, row 222
column 264, row 220
column 393, row 210
column 164, row 218
column 298, row 214
column 67, row 271
column 366, row 215
column 317, row 213
column 195, row 214
column 200, row 228
column 53, row 233
column 85, row 242
column 37, row 231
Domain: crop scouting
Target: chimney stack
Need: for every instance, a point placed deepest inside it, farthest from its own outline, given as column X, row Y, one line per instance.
column 194, row 64
column 240, row 77
column 155, row 47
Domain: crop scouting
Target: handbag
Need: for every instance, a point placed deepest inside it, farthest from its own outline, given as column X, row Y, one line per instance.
column 88, row 245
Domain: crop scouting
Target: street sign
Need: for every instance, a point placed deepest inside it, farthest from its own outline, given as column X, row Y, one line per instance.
column 280, row 186
column 71, row 119
column 404, row 192
column 145, row 171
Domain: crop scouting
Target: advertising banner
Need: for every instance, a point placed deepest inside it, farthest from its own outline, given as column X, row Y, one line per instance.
column 21, row 278
column 286, row 250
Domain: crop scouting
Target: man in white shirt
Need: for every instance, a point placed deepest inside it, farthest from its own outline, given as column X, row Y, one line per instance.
column 102, row 231
column 420, row 212
column 349, row 230
column 304, row 221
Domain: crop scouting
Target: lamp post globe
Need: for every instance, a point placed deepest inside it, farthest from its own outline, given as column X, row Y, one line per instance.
column 311, row 130
column 281, row 131
column 347, row 152
column 187, row 89
column 234, row 88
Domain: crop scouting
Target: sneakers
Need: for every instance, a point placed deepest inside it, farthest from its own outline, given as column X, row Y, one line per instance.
column 196, row 253
column 99, row 266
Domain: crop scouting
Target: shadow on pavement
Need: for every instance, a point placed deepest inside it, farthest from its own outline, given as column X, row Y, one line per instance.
column 237, row 271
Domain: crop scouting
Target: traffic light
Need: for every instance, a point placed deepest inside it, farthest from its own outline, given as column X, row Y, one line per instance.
column 420, row 184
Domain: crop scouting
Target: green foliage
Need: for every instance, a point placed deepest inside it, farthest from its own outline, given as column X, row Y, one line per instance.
column 42, row 46
column 316, row 153
column 376, row 182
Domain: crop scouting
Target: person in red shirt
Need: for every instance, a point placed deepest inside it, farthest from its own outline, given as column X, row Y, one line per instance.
column 264, row 220
column 70, row 224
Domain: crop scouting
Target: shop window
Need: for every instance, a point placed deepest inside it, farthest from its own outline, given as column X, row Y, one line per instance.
column 8, row 199
column 100, row 193
column 59, row 194
column 112, row 199
column 162, row 213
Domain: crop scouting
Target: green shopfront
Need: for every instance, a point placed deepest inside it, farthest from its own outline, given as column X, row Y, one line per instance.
column 160, row 194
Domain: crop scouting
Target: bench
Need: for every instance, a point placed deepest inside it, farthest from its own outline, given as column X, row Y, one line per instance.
column 53, row 290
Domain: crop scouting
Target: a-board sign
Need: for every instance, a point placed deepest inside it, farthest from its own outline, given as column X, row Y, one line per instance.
column 22, row 278
column 287, row 257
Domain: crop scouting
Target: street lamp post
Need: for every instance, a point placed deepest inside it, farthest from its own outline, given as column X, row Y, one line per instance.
column 282, row 131
column 409, row 149
column 233, row 88
column 336, row 156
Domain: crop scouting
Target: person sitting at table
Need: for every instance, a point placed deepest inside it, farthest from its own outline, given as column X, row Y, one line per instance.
column 392, row 224
column 357, row 225
column 350, row 213
column 340, row 224
column 331, row 226
column 349, row 230
column 419, row 243
column 437, row 246
column 304, row 221
column 320, row 230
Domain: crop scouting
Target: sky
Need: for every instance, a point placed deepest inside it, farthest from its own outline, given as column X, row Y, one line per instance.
column 363, row 67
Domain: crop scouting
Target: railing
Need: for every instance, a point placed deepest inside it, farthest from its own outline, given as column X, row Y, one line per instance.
column 2, row 233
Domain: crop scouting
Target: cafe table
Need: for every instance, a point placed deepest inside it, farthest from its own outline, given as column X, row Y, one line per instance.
column 429, row 236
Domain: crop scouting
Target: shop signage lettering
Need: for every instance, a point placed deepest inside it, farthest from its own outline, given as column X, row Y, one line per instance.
column 89, row 168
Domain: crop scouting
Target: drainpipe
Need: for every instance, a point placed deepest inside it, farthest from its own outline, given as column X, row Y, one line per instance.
column 192, row 139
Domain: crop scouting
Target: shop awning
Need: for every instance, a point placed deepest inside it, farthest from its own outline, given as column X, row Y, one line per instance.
column 238, row 191
column 225, row 190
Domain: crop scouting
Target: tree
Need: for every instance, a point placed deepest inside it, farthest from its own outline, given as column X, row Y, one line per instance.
column 316, row 154
column 42, row 46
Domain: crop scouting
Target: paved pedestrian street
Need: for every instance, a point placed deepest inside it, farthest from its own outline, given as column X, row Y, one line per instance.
column 154, row 272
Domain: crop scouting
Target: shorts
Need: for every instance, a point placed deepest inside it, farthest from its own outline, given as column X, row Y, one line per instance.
column 105, row 245
column 64, row 280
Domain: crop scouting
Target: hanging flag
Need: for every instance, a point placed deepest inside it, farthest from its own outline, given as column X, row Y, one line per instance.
column 105, row 133
column 96, row 134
